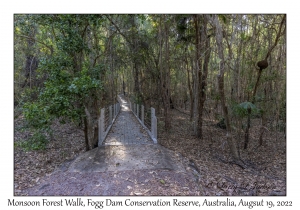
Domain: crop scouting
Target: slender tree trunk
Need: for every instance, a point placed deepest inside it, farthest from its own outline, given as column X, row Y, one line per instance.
column 198, row 79
column 202, row 96
column 86, row 137
column 31, row 64
column 167, row 76
column 219, row 39
column 236, row 71
column 136, row 63
column 190, row 90
column 165, row 71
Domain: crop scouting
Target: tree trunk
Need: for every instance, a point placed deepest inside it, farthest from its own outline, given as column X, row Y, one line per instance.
column 202, row 96
column 236, row 70
column 279, row 33
column 219, row 39
column 31, row 64
column 190, row 89
column 86, row 137
column 91, row 124
column 165, row 72
column 198, row 79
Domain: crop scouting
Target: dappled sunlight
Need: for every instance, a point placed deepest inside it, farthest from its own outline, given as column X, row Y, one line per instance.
column 122, row 154
column 113, row 141
column 126, row 130
column 125, row 108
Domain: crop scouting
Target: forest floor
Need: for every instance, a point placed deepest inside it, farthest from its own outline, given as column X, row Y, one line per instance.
column 209, row 158
column 266, row 165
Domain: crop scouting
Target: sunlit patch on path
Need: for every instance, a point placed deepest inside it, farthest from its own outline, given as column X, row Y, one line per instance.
column 126, row 130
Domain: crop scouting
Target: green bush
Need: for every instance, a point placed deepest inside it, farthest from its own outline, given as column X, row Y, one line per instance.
column 241, row 110
column 38, row 141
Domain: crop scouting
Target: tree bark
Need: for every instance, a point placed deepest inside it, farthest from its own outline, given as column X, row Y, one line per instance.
column 202, row 96
column 31, row 64
column 198, row 79
column 165, row 71
column 219, row 39
column 190, row 88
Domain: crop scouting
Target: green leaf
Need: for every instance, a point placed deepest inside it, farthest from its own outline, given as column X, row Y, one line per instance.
column 223, row 18
column 247, row 105
column 218, row 60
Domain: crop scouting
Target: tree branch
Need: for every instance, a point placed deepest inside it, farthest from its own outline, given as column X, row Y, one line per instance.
column 277, row 37
column 31, row 38
column 118, row 29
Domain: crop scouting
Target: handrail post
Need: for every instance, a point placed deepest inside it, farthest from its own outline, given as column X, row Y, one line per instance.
column 137, row 110
column 155, row 128
column 101, row 127
column 153, row 123
column 110, row 114
column 142, row 114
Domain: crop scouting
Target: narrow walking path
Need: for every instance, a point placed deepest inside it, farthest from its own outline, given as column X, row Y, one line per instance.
column 127, row 163
column 126, row 147
column 127, row 130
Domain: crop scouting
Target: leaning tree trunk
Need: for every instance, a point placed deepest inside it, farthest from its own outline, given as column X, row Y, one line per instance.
column 91, row 118
column 262, row 65
column 90, row 131
column 219, row 39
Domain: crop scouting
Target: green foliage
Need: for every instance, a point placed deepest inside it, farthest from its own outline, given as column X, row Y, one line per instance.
column 136, row 99
column 38, row 141
column 215, row 96
column 223, row 18
column 70, row 82
column 241, row 110
column 36, row 115
column 62, row 95
column 245, row 37
column 73, row 43
column 247, row 105
column 28, row 95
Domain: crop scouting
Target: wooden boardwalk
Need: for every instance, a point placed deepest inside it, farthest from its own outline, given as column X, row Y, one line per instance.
column 126, row 130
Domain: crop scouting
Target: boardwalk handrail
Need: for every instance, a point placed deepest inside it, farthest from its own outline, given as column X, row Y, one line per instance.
column 139, row 113
column 107, row 118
